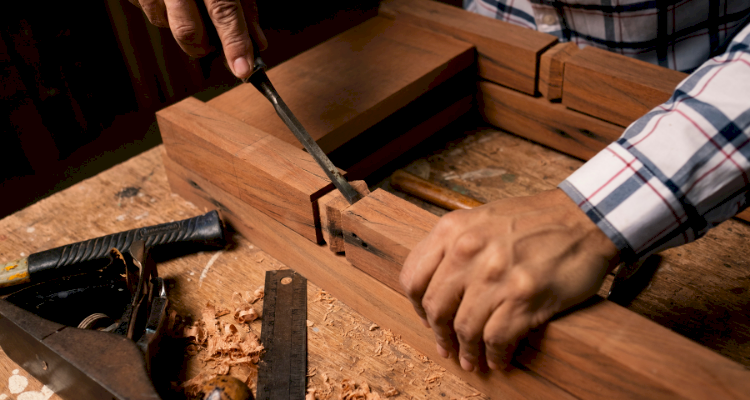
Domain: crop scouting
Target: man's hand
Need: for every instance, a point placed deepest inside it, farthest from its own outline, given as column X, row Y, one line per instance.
column 483, row 277
column 230, row 18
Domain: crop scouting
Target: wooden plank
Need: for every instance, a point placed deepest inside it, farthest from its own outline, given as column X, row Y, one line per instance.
column 407, row 127
column 275, row 177
column 550, row 124
column 331, row 205
column 606, row 350
column 615, row 88
column 343, row 86
column 547, row 123
column 380, row 231
column 551, row 69
column 358, row 290
column 508, row 54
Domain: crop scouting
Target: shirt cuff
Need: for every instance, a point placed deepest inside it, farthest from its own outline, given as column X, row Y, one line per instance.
column 635, row 209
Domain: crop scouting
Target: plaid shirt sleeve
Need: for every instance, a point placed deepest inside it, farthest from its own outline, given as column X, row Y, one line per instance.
column 680, row 169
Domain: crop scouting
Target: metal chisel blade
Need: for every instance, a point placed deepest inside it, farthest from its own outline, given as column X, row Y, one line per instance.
column 260, row 80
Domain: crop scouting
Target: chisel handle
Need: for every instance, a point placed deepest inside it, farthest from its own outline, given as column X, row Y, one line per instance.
column 61, row 261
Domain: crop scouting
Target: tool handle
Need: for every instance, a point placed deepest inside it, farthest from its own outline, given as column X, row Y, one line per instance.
column 432, row 193
column 204, row 229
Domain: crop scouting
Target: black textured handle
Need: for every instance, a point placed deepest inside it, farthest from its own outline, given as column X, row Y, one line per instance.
column 204, row 229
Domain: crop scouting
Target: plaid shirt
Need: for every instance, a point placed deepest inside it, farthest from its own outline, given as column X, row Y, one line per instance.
column 684, row 167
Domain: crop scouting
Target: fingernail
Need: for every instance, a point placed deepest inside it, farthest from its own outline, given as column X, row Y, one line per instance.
column 466, row 365
column 241, row 67
column 492, row 365
column 425, row 323
column 443, row 353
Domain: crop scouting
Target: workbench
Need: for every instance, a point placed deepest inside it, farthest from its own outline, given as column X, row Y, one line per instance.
column 700, row 290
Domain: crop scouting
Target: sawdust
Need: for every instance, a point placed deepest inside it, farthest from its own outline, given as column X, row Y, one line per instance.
column 222, row 345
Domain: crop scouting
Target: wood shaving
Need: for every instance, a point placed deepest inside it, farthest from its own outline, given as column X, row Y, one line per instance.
column 310, row 394
column 390, row 392
column 379, row 349
column 350, row 390
column 220, row 346
column 310, row 323
column 477, row 394
column 373, row 327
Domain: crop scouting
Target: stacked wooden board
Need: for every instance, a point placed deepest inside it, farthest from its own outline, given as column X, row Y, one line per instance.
column 386, row 84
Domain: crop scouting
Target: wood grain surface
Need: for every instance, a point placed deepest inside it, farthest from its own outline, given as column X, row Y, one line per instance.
column 544, row 122
column 331, row 205
column 274, row 176
column 507, row 54
column 551, row 67
column 347, row 84
column 594, row 344
column 342, row 344
column 700, row 290
column 360, row 291
column 615, row 88
column 380, row 231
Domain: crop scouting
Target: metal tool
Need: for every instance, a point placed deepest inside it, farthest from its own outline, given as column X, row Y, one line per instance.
column 75, row 258
column 260, row 80
column 282, row 371
column 109, row 354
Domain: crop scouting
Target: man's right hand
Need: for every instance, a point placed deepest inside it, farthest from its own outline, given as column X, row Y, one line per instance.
column 230, row 17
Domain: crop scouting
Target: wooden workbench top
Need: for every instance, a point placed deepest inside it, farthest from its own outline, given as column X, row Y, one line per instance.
column 699, row 290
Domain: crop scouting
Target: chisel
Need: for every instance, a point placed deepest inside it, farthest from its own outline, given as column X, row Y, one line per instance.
column 66, row 260
column 260, row 80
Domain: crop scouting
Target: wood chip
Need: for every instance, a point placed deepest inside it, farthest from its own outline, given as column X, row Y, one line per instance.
column 373, row 327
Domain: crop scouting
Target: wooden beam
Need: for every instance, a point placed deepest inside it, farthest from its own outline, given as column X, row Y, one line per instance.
column 508, row 54
column 369, row 226
column 331, row 205
column 347, row 84
column 547, row 123
column 551, row 69
column 615, row 88
column 550, row 124
column 600, row 351
column 358, row 290
column 275, row 177
column 407, row 127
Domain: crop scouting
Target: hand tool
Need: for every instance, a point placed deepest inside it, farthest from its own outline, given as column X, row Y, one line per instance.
column 260, row 80
column 77, row 257
column 428, row 191
column 282, row 370
column 92, row 361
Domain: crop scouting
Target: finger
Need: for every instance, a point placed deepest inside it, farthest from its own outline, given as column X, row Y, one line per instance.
column 417, row 271
column 187, row 27
column 229, row 20
column 155, row 11
column 504, row 329
column 475, row 310
column 250, row 9
column 441, row 301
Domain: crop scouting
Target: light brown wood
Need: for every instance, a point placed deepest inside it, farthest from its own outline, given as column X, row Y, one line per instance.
column 407, row 127
column 507, row 54
column 601, row 351
column 274, row 176
column 358, row 290
column 330, row 206
column 345, row 85
column 341, row 343
column 615, row 88
column 426, row 190
column 547, row 123
column 380, row 231
column 551, row 70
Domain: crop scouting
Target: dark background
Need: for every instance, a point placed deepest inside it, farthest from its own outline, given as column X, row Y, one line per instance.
column 79, row 84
